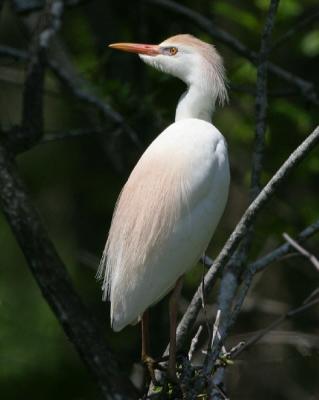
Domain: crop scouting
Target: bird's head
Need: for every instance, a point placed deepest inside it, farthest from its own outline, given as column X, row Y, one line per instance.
column 188, row 58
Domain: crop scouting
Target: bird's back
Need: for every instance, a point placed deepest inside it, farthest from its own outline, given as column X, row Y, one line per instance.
column 164, row 217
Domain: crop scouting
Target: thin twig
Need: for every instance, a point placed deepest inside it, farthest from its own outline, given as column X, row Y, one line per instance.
column 312, row 295
column 51, row 275
column 216, row 333
column 194, row 342
column 72, row 134
column 241, row 229
column 24, row 7
column 281, row 251
column 292, row 313
column 302, row 250
column 234, row 349
column 296, row 28
column 88, row 97
column 230, row 281
column 220, row 392
column 215, row 328
column 49, row 22
column 263, row 262
column 84, row 95
column 258, row 266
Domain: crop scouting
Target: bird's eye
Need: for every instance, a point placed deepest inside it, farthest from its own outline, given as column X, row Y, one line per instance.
column 172, row 51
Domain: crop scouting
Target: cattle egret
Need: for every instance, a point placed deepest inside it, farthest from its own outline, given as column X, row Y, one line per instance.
column 173, row 200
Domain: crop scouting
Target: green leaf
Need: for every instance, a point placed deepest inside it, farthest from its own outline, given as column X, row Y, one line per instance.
column 310, row 43
column 238, row 15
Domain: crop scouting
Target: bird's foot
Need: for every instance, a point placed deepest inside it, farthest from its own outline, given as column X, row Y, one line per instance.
column 151, row 365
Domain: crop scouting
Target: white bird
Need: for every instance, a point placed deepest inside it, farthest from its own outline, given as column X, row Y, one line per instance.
column 173, row 200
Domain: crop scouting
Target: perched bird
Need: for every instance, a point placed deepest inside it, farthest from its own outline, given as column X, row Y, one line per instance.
column 173, row 200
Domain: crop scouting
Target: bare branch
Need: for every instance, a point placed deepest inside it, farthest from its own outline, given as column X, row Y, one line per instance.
column 261, row 101
column 312, row 295
column 87, row 97
column 302, row 250
column 257, row 267
column 261, row 105
column 72, row 134
column 23, row 6
column 216, row 330
column 194, row 342
column 241, row 229
column 16, row 54
column 56, row 286
column 81, row 94
column 296, row 28
column 276, row 254
column 282, row 250
column 306, row 88
column 32, row 118
column 290, row 314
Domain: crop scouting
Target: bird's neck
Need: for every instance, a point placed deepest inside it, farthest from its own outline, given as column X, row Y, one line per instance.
column 196, row 102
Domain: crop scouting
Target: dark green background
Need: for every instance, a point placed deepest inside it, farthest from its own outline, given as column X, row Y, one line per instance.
column 75, row 183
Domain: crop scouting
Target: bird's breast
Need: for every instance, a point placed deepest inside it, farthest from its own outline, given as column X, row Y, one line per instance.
column 165, row 216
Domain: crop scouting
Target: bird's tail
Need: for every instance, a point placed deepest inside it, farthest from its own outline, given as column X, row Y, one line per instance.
column 104, row 274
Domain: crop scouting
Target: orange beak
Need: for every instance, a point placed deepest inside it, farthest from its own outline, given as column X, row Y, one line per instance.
column 148, row 49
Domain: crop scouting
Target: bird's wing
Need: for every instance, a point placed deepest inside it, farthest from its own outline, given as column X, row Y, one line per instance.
column 165, row 187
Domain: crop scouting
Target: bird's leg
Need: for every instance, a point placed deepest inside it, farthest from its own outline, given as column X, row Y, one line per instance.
column 145, row 336
column 173, row 302
column 146, row 358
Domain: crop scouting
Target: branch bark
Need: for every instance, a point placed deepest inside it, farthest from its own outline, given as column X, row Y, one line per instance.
column 230, row 280
column 84, row 95
column 261, row 101
column 290, row 314
column 306, row 88
column 55, row 284
column 241, row 229
column 41, row 256
column 49, row 22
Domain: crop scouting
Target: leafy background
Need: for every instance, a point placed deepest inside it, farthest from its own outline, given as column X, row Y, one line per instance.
column 75, row 182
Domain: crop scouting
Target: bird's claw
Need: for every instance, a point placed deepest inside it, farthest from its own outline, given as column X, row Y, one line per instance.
column 151, row 365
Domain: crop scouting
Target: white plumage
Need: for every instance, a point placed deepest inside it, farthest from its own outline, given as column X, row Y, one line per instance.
column 172, row 202
column 165, row 216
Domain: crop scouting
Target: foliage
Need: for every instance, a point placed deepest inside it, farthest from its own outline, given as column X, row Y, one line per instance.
column 75, row 182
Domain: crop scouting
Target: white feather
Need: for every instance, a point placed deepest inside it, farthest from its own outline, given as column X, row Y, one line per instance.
column 165, row 217
column 173, row 200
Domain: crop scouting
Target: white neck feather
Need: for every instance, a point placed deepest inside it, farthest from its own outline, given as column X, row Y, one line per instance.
column 196, row 103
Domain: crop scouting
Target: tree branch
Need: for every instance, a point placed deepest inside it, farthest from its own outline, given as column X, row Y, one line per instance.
column 283, row 250
column 241, row 229
column 29, row 6
column 230, row 282
column 32, row 114
column 41, row 256
column 55, row 284
column 295, row 29
column 87, row 97
column 302, row 251
column 72, row 134
column 81, row 94
column 306, row 88
column 248, row 277
column 290, row 314
column 261, row 101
